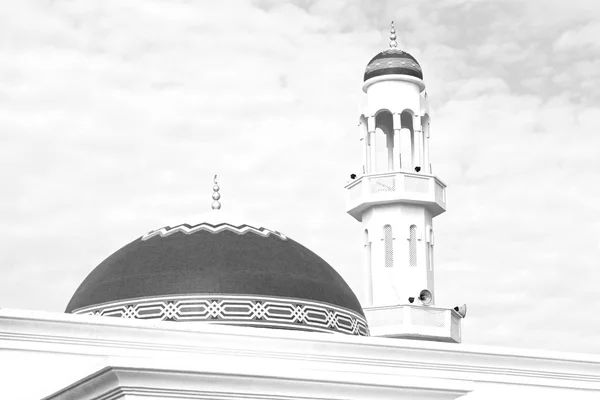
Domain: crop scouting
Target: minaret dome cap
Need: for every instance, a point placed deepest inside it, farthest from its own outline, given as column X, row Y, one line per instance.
column 393, row 61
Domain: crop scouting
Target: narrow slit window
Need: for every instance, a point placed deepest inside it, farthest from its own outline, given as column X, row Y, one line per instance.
column 388, row 246
column 412, row 246
column 430, row 248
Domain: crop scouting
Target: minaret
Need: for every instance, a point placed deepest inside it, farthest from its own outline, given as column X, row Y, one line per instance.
column 396, row 198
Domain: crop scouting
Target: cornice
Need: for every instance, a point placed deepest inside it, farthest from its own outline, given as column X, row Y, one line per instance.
column 241, row 382
column 103, row 336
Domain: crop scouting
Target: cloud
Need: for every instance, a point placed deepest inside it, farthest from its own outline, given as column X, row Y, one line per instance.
column 115, row 116
column 581, row 38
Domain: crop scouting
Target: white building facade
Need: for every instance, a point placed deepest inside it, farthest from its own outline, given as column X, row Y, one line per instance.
column 77, row 357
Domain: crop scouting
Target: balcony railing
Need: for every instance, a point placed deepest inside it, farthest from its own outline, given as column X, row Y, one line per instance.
column 396, row 186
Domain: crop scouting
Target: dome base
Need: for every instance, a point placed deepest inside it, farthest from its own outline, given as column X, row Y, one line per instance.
column 393, row 77
column 241, row 310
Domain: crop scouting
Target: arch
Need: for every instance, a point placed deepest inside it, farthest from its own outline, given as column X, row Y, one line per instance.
column 426, row 117
column 406, row 118
column 407, row 140
column 384, row 124
column 383, row 120
column 412, row 246
column 388, row 246
column 382, row 110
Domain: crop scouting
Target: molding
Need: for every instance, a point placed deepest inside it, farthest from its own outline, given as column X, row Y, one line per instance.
column 394, row 173
column 393, row 77
column 250, row 382
column 244, row 310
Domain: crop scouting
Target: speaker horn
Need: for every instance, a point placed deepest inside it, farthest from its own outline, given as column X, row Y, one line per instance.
column 425, row 297
column 461, row 310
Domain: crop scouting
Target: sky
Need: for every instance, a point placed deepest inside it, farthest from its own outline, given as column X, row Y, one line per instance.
column 115, row 115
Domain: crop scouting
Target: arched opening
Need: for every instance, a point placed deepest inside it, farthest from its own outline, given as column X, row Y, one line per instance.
column 388, row 246
column 385, row 149
column 412, row 246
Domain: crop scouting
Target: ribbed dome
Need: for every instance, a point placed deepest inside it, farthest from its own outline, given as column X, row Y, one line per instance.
column 222, row 274
column 393, row 61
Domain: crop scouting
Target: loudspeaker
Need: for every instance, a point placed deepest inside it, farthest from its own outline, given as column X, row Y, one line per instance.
column 425, row 297
column 462, row 310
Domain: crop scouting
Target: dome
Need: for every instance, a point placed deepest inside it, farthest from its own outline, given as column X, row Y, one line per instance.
column 393, row 62
column 221, row 273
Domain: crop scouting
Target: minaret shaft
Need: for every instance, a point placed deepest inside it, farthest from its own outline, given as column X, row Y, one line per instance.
column 396, row 198
column 398, row 246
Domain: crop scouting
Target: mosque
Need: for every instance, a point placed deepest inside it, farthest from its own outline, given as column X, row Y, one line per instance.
column 228, row 310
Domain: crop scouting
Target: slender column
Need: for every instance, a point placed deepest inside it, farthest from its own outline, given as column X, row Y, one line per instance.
column 426, row 150
column 389, row 139
column 367, row 154
column 364, row 139
column 397, row 150
column 418, row 136
column 406, row 147
column 374, row 139
column 370, row 148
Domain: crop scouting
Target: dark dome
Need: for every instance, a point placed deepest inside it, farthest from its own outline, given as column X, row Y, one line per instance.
column 393, row 61
column 221, row 273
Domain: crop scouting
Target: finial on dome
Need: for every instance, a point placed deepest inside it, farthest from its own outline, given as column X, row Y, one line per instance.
column 216, row 205
column 393, row 42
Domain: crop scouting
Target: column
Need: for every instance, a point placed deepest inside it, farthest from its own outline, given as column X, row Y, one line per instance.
column 363, row 134
column 366, row 153
column 389, row 139
column 406, row 150
column 374, row 139
column 427, row 166
column 397, row 127
column 370, row 145
column 418, row 136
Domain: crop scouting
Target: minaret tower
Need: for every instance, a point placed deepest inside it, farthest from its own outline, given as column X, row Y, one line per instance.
column 396, row 197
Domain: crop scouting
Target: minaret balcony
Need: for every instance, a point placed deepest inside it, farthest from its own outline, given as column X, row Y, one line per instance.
column 395, row 187
column 408, row 321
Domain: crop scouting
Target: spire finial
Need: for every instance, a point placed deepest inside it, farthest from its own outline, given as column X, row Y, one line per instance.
column 216, row 205
column 393, row 42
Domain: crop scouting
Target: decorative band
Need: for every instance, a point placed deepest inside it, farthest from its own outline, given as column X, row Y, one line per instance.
column 243, row 310
column 189, row 229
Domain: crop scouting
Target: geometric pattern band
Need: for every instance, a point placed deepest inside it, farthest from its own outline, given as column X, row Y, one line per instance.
column 246, row 310
column 190, row 229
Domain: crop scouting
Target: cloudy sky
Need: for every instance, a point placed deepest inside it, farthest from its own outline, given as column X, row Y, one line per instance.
column 114, row 116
